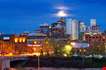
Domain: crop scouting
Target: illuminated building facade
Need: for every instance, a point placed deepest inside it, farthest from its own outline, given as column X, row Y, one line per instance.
column 74, row 29
column 45, row 28
column 95, row 37
column 68, row 26
column 6, row 47
column 38, row 37
column 6, row 37
column 39, row 43
column 94, row 27
column 82, row 27
column 20, row 42
column 82, row 30
column 6, row 44
column 80, row 47
column 93, row 22
column 96, row 42
column 20, row 39
column 58, row 28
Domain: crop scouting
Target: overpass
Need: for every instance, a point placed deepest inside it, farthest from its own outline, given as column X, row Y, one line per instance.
column 5, row 60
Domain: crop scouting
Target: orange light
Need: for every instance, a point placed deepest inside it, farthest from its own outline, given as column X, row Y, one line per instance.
column 84, row 50
column 46, row 42
column 23, row 39
column 80, row 50
column 35, row 42
column 34, row 49
column 16, row 40
column 37, row 54
column 20, row 39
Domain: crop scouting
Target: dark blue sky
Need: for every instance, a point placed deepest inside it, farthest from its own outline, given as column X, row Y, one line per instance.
column 17, row 16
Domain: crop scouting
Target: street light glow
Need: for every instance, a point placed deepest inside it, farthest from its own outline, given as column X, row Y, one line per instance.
column 73, row 43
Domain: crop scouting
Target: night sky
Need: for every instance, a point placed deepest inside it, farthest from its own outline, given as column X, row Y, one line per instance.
column 17, row 16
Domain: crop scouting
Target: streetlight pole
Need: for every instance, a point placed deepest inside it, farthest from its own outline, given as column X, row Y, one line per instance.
column 38, row 63
column 38, row 55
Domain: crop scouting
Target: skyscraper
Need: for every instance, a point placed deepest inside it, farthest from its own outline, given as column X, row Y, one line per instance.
column 68, row 26
column 93, row 22
column 82, row 27
column 82, row 30
column 94, row 27
column 74, row 29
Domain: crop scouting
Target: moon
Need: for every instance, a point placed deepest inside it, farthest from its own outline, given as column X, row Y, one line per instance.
column 62, row 13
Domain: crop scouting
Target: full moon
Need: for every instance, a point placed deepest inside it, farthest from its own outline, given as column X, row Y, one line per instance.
column 62, row 13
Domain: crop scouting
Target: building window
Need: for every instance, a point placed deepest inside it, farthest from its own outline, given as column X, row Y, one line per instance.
column 16, row 40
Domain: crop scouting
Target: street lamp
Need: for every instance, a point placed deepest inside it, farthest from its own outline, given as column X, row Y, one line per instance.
column 38, row 54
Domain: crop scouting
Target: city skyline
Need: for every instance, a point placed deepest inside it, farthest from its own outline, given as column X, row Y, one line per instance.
column 19, row 16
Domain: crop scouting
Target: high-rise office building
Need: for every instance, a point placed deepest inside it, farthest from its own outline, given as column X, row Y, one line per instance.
column 94, row 27
column 93, row 22
column 74, row 29
column 83, row 29
column 68, row 26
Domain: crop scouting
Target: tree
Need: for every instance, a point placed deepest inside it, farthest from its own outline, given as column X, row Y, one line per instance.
column 67, row 50
column 98, row 48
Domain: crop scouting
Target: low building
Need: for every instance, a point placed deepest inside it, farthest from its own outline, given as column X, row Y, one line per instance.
column 6, row 44
column 95, row 37
column 20, row 42
column 39, row 43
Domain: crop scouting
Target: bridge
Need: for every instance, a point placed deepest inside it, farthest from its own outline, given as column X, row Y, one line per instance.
column 5, row 60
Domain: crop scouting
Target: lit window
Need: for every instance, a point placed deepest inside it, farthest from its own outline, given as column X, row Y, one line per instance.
column 20, row 39
column 23, row 39
column 46, row 42
column 35, row 42
column 80, row 50
column 16, row 40
column 84, row 50
column 103, row 37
